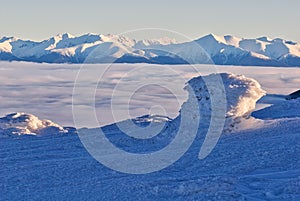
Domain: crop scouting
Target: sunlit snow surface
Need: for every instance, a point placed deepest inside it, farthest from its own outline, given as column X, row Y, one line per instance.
column 258, row 163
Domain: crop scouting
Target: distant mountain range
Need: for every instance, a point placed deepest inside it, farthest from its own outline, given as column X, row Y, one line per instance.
column 93, row 48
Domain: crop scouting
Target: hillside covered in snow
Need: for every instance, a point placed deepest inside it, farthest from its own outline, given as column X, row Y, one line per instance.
column 257, row 159
column 210, row 49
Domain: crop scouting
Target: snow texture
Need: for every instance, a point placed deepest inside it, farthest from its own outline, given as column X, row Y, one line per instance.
column 260, row 162
column 241, row 95
column 27, row 124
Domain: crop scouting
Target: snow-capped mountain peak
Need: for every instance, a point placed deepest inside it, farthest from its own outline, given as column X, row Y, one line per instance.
column 265, row 39
column 160, row 41
column 213, row 38
column 3, row 39
column 222, row 50
column 63, row 36
column 232, row 40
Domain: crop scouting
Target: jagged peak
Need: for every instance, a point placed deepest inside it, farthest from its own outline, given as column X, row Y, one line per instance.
column 160, row 41
column 118, row 39
column 278, row 40
column 90, row 35
column 232, row 40
column 213, row 37
column 65, row 35
column 9, row 38
column 265, row 39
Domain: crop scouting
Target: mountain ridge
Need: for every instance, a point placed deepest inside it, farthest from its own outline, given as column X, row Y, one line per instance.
column 99, row 48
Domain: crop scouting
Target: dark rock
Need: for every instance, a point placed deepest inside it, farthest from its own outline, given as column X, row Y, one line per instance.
column 293, row 95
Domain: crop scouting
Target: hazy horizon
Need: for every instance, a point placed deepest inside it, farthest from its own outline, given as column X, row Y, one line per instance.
column 39, row 20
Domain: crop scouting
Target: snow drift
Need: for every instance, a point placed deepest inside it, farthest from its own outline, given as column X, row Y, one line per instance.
column 28, row 124
column 241, row 94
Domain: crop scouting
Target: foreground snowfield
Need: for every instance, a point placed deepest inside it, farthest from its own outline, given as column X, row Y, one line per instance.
column 258, row 162
column 255, row 164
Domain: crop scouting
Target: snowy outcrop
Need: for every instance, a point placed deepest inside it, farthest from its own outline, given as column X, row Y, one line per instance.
column 151, row 118
column 279, row 110
column 28, row 124
column 99, row 48
column 241, row 94
column 293, row 95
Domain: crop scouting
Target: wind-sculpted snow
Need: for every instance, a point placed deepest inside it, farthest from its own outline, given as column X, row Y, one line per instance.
column 210, row 49
column 28, row 124
column 242, row 93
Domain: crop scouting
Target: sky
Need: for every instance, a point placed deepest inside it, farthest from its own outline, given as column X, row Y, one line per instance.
column 41, row 19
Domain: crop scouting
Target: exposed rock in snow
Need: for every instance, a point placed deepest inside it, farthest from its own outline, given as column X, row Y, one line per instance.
column 242, row 93
column 28, row 124
column 293, row 95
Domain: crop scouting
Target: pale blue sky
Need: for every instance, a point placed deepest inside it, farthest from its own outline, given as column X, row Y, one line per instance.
column 40, row 19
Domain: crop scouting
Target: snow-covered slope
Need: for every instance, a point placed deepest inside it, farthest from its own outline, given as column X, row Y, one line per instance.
column 283, row 109
column 260, row 163
column 95, row 48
